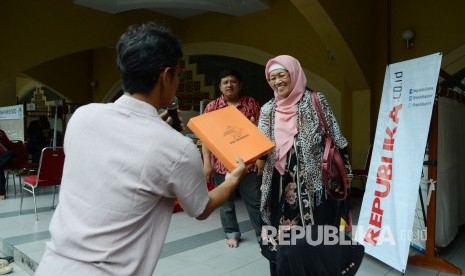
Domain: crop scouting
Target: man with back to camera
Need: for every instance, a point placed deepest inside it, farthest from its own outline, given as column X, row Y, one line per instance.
column 125, row 166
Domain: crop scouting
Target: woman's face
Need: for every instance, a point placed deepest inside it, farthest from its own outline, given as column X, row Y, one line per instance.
column 280, row 81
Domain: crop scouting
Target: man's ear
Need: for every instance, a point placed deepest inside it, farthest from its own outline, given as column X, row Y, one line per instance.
column 164, row 77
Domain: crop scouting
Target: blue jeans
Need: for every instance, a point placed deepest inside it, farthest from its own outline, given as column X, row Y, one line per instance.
column 249, row 189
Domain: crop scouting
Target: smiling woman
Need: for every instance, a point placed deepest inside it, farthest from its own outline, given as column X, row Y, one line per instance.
column 293, row 192
column 280, row 82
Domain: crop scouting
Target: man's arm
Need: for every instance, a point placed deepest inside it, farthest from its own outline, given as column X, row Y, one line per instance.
column 2, row 148
column 223, row 192
column 207, row 166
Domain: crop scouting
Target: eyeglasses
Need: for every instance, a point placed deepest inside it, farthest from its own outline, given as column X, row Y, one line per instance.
column 280, row 76
column 179, row 70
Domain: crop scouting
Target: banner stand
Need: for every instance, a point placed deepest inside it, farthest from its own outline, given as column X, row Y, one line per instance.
column 429, row 260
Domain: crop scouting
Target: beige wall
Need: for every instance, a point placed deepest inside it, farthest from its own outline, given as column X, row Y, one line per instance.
column 7, row 92
column 104, row 71
column 438, row 27
column 360, row 135
column 343, row 46
column 69, row 75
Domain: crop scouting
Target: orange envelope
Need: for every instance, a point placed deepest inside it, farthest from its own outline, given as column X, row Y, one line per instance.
column 228, row 133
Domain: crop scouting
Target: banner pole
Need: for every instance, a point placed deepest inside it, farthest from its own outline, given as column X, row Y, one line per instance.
column 429, row 259
column 55, row 125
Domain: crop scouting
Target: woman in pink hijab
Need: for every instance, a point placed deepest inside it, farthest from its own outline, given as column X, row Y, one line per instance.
column 292, row 188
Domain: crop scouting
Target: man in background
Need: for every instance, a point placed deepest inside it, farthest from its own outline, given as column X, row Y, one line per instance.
column 6, row 155
column 230, row 85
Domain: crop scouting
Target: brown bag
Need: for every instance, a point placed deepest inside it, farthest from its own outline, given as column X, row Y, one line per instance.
column 334, row 172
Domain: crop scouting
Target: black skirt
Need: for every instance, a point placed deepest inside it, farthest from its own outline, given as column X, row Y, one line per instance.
column 303, row 258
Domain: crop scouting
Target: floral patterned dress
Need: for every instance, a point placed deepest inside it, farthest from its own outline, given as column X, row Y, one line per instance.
column 290, row 210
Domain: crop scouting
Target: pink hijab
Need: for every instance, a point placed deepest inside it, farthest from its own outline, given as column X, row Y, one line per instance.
column 285, row 127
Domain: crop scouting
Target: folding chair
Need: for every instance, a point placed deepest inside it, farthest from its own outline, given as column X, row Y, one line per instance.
column 49, row 174
column 19, row 162
column 362, row 174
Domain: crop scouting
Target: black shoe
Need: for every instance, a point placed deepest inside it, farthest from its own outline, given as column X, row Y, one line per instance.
column 10, row 259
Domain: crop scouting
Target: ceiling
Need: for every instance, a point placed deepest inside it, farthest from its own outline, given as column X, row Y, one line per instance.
column 179, row 8
column 187, row 8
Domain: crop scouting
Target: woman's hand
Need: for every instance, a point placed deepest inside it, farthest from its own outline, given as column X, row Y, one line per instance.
column 250, row 167
column 259, row 164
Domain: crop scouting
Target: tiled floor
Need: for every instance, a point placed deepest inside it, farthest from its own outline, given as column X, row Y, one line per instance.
column 192, row 247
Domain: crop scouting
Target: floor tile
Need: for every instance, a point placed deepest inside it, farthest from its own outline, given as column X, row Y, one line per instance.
column 192, row 247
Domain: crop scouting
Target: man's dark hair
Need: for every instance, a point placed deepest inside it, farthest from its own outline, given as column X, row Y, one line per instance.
column 141, row 51
column 228, row 72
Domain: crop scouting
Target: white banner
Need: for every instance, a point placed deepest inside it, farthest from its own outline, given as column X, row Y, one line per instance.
column 388, row 208
column 11, row 112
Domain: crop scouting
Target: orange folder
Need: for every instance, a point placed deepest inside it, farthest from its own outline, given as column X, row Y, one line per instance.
column 228, row 133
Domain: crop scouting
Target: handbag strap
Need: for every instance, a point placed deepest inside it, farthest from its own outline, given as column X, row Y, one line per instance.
column 316, row 104
column 328, row 152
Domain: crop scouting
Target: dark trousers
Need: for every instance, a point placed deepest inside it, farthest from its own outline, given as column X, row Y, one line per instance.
column 303, row 259
column 4, row 159
column 249, row 189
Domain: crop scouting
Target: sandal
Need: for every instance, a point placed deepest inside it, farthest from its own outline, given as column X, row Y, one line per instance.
column 5, row 269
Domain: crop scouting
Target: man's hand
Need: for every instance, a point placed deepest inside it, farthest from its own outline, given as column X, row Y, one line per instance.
column 239, row 171
column 252, row 119
column 165, row 117
column 208, row 171
column 223, row 192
